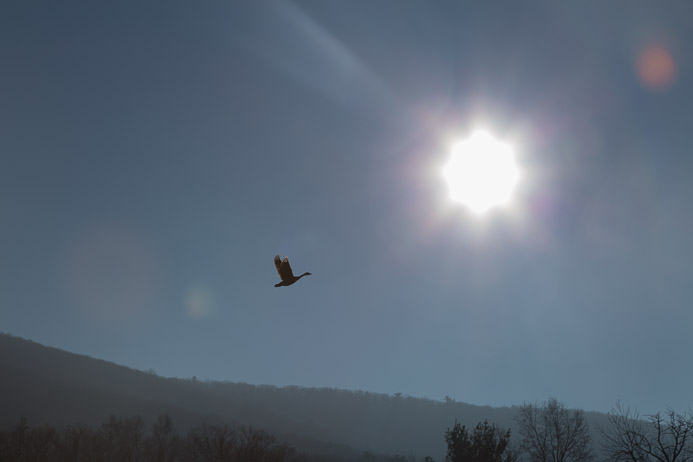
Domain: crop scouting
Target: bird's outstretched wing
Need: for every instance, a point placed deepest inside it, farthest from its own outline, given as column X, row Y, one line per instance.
column 283, row 268
column 277, row 262
column 286, row 272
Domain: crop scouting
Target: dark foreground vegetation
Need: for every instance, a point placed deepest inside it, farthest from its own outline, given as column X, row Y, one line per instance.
column 125, row 440
column 552, row 433
column 548, row 433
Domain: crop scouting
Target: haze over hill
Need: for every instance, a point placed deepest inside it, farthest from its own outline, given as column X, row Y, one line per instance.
column 48, row 385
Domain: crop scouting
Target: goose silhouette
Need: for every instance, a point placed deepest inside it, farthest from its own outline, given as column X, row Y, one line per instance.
column 285, row 272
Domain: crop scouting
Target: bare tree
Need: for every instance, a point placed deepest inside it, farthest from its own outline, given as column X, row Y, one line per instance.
column 122, row 439
column 213, row 443
column 70, row 443
column 661, row 438
column 15, row 444
column 163, row 444
column 552, row 433
column 258, row 446
column 254, row 444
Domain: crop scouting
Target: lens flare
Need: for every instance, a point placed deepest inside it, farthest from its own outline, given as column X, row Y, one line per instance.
column 656, row 67
column 200, row 302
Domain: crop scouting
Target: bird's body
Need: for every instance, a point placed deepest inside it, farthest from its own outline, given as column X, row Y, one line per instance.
column 285, row 272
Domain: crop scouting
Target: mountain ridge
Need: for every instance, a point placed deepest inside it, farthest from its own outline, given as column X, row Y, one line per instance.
column 50, row 385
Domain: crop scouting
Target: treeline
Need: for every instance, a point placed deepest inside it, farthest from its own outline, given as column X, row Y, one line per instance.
column 548, row 432
column 552, row 433
column 125, row 439
column 122, row 439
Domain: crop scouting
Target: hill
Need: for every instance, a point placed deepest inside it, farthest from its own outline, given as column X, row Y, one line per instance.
column 48, row 385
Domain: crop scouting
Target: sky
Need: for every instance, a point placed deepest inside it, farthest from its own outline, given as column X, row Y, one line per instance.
column 154, row 157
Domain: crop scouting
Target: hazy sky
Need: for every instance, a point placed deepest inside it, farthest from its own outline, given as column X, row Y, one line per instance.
column 155, row 156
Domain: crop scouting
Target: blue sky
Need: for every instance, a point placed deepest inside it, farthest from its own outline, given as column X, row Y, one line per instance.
column 155, row 157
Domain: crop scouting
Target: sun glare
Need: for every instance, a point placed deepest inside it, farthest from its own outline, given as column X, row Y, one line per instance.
column 481, row 172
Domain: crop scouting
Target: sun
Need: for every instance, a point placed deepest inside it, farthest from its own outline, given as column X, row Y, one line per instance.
column 481, row 172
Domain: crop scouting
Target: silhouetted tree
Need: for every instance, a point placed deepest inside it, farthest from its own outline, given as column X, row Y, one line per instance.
column 163, row 444
column 253, row 444
column 123, row 439
column 661, row 438
column 488, row 443
column 552, row 433
column 71, row 443
column 211, row 443
column 27, row 444
column 40, row 446
column 258, row 446
column 14, row 444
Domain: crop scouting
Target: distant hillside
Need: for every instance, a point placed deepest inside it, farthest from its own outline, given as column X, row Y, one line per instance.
column 57, row 387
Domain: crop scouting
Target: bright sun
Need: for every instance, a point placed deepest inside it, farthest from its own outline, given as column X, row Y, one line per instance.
column 481, row 172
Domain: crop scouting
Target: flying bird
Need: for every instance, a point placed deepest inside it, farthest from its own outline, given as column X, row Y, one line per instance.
column 285, row 273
